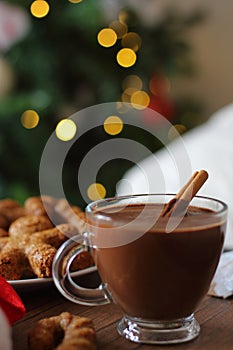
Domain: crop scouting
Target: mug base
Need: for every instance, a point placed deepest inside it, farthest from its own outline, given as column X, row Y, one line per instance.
column 154, row 332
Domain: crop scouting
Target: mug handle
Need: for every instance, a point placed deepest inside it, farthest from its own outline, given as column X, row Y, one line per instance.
column 63, row 280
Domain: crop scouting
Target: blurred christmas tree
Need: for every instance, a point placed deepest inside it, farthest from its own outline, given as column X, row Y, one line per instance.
column 58, row 67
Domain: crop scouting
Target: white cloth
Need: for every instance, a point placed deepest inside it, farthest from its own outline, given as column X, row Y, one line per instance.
column 209, row 147
column 5, row 333
column 222, row 283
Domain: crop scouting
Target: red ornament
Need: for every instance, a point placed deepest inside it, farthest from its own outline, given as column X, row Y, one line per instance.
column 10, row 302
column 163, row 105
column 160, row 100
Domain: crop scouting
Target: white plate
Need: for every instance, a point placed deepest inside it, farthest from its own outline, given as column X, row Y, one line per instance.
column 36, row 283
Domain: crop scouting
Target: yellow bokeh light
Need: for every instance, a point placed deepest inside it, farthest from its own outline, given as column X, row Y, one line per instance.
column 75, row 1
column 132, row 81
column 113, row 125
column 107, row 37
column 119, row 28
column 39, row 8
column 122, row 107
column 130, row 91
column 140, row 99
column 96, row 191
column 66, row 130
column 127, row 93
column 126, row 57
column 131, row 40
column 125, row 97
column 29, row 119
column 123, row 16
column 176, row 130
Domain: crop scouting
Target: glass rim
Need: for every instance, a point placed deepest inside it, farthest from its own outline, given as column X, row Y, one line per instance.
column 90, row 208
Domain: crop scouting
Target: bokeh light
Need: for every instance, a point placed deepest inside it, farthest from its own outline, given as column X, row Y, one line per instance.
column 39, row 8
column 127, row 93
column 122, row 107
column 130, row 91
column 119, row 28
column 132, row 81
column 140, row 100
column 159, row 85
column 75, row 1
column 107, row 37
column 113, row 125
column 123, row 16
column 29, row 119
column 66, row 130
column 175, row 131
column 126, row 57
column 131, row 40
column 125, row 97
column 96, row 191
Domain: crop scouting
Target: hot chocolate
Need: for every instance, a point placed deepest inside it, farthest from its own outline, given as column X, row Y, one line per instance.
column 158, row 275
column 155, row 263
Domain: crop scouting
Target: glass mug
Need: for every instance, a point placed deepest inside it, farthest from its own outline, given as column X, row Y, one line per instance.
column 156, row 269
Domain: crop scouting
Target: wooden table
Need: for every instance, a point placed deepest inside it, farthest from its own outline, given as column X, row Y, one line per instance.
column 214, row 315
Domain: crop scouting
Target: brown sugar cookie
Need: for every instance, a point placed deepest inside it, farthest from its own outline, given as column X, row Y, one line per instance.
column 40, row 257
column 70, row 213
column 35, row 206
column 54, row 236
column 3, row 242
column 42, row 247
column 28, row 224
column 4, row 223
column 25, row 253
column 63, row 332
column 29, row 242
column 3, row 233
column 11, row 214
column 13, row 262
column 10, row 210
column 8, row 203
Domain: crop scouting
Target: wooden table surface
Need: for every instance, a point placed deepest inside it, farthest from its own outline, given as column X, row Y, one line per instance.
column 214, row 315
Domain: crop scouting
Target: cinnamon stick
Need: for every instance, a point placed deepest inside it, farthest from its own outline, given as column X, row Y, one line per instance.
column 168, row 207
column 179, row 204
